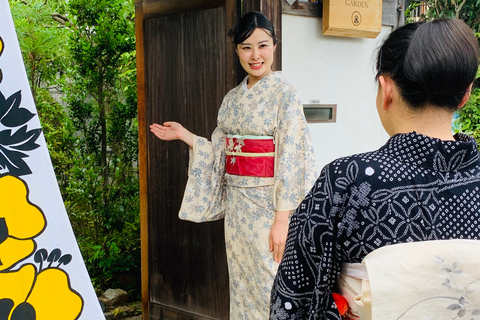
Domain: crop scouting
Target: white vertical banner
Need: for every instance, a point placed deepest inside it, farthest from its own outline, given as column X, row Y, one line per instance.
column 42, row 273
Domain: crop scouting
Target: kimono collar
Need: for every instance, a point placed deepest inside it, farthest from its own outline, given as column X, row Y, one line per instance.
column 245, row 87
column 434, row 154
column 273, row 74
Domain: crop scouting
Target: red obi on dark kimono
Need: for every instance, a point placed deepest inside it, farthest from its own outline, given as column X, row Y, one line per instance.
column 250, row 156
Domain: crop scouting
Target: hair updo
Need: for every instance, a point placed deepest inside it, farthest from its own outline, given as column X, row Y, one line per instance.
column 431, row 63
column 248, row 23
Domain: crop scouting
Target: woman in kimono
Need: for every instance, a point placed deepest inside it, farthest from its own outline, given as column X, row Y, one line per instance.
column 254, row 172
column 423, row 184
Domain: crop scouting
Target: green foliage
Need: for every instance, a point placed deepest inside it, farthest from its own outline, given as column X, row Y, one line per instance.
column 86, row 49
column 58, row 133
column 105, row 218
column 43, row 40
column 466, row 10
column 103, row 195
column 468, row 120
column 414, row 11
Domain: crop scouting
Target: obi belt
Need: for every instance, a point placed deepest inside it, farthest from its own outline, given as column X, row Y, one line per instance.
column 435, row 279
column 250, row 156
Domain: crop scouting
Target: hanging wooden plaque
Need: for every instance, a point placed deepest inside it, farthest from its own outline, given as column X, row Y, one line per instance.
column 352, row 18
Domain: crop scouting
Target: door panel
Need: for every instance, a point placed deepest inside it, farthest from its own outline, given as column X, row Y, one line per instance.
column 186, row 75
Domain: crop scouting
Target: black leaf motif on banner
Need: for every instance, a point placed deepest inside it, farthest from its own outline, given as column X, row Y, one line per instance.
column 11, row 114
column 14, row 144
column 6, row 306
column 55, row 256
column 24, row 311
column 3, row 231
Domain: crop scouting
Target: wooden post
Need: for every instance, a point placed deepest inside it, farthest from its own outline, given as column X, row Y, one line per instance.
column 142, row 159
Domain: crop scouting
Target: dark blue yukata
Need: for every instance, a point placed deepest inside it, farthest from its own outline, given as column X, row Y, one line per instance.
column 414, row 188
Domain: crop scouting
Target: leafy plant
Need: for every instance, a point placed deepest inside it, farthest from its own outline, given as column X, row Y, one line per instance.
column 86, row 51
column 59, row 135
column 466, row 10
column 468, row 120
column 40, row 29
column 102, row 197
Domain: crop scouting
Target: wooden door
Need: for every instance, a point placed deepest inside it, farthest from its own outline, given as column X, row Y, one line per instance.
column 186, row 63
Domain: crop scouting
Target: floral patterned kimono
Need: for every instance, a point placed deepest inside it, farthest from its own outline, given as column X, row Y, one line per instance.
column 270, row 108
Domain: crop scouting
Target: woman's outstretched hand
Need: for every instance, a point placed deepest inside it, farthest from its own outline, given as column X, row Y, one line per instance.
column 172, row 131
column 168, row 131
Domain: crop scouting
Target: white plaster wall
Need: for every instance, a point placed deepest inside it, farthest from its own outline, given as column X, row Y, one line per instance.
column 334, row 70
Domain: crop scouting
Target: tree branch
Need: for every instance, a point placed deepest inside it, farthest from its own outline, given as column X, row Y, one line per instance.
column 60, row 18
column 457, row 11
column 437, row 7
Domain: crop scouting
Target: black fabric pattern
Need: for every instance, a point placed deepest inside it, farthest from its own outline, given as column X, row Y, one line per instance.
column 412, row 189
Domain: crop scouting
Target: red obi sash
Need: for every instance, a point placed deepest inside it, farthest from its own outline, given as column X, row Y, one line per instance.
column 250, row 156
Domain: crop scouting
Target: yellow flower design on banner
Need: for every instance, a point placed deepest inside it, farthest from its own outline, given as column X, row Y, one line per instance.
column 27, row 291
column 1, row 46
column 47, row 295
column 20, row 222
column 1, row 51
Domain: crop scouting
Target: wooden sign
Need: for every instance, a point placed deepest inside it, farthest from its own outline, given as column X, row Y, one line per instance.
column 352, row 18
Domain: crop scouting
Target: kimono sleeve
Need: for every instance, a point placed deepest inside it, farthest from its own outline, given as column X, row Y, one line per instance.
column 295, row 170
column 306, row 276
column 204, row 197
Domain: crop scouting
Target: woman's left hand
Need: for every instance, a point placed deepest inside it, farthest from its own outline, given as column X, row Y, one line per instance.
column 278, row 235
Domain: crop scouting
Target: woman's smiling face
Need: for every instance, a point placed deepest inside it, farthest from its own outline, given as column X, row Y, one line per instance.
column 256, row 55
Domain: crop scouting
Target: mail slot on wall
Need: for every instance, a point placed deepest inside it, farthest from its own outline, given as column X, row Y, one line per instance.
column 320, row 112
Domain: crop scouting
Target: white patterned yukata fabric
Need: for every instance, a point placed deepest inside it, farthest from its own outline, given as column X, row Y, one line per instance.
column 271, row 107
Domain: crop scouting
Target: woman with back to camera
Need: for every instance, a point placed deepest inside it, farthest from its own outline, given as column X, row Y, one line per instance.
column 423, row 184
column 257, row 168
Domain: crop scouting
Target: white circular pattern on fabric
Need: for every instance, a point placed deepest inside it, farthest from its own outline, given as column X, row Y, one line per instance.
column 288, row 305
column 369, row 171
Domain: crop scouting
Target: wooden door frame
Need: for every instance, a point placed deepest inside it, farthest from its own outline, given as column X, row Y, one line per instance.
column 142, row 159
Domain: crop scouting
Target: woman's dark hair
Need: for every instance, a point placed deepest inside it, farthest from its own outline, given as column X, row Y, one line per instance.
column 248, row 23
column 431, row 62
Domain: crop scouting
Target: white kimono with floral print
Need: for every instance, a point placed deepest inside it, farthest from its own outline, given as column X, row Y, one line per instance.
column 271, row 107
